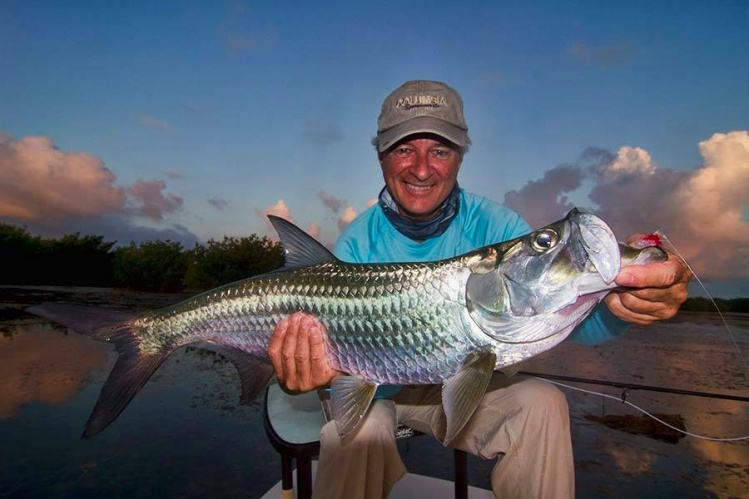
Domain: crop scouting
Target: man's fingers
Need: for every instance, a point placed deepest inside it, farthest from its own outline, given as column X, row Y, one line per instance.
column 321, row 371
column 301, row 356
column 615, row 304
column 297, row 351
column 654, row 275
column 288, row 351
column 275, row 345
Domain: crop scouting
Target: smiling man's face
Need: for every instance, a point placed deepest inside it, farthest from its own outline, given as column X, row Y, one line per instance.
column 420, row 172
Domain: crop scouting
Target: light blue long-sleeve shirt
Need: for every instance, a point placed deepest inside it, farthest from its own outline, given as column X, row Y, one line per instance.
column 371, row 238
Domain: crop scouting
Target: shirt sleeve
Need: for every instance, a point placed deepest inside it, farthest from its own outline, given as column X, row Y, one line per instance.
column 598, row 327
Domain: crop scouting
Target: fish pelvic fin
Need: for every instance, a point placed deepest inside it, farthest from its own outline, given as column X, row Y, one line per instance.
column 462, row 392
column 350, row 398
column 131, row 371
column 300, row 249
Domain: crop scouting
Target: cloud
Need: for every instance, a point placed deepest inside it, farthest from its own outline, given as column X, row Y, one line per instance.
column 602, row 55
column 56, row 192
column 218, row 203
column 322, row 133
column 313, row 230
column 173, row 175
column 244, row 32
column 543, row 201
column 278, row 209
column 331, row 202
column 340, row 208
column 38, row 181
column 155, row 123
column 701, row 210
column 148, row 199
column 346, row 217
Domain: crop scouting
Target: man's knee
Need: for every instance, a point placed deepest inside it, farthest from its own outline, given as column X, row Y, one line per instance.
column 541, row 404
column 378, row 425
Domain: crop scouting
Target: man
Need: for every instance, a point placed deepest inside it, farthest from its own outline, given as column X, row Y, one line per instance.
column 423, row 215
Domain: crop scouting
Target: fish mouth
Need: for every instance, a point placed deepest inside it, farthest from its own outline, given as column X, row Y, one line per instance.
column 599, row 243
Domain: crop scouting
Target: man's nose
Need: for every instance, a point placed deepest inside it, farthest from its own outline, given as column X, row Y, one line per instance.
column 421, row 168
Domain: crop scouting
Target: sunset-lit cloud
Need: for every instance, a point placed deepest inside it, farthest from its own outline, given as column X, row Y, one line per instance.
column 37, row 180
column 339, row 208
column 313, row 230
column 149, row 200
column 701, row 210
column 278, row 209
column 331, row 202
column 346, row 217
column 45, row 187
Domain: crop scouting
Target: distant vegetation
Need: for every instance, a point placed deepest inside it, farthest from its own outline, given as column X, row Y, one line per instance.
column 75, row 260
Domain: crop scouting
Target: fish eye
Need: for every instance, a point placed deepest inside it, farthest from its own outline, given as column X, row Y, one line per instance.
column 544, row 240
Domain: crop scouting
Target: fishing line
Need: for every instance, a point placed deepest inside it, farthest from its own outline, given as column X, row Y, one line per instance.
column 709, row 296
column 643, row 411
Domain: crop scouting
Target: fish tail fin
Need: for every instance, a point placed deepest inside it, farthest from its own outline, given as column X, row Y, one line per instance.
column 131, row 371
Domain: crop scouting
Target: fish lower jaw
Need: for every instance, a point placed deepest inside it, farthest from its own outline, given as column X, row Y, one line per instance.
column 581, row 305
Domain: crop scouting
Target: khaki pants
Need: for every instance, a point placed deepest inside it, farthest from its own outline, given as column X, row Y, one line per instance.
column 521, row 421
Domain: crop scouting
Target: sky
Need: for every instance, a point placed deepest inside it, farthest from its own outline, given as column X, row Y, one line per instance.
column 191, row 121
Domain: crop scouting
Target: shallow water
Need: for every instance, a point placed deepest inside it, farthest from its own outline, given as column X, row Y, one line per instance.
column 185, row 435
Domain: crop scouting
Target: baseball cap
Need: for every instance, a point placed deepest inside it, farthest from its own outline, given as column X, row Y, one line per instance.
column 421, row 106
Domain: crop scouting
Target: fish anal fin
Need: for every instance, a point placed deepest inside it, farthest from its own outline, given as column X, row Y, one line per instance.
column 254, row 374
column 463, row 391
column 350, row 398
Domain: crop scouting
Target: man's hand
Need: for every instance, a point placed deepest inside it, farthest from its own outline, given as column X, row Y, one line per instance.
column 650, row 292
column 297, row 352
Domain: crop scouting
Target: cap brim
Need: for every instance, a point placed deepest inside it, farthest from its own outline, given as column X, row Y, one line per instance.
column 421, row 124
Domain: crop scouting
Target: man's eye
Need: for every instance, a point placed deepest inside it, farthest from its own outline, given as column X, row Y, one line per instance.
column 442, row 153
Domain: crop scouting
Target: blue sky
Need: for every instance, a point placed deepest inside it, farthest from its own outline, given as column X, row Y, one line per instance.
column 190, row 120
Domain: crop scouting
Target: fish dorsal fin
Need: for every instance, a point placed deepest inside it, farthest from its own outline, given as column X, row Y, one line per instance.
column 463, row 391
column 351, row 396
column 300, row 249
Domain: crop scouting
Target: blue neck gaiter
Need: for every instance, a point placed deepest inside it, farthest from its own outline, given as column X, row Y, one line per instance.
column 421, row 229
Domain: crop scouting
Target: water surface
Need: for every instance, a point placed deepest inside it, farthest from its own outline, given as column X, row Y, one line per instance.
column 185, row 435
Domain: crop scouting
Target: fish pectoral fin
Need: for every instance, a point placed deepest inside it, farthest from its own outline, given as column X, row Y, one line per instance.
column 463, row 391
column 350, row 398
